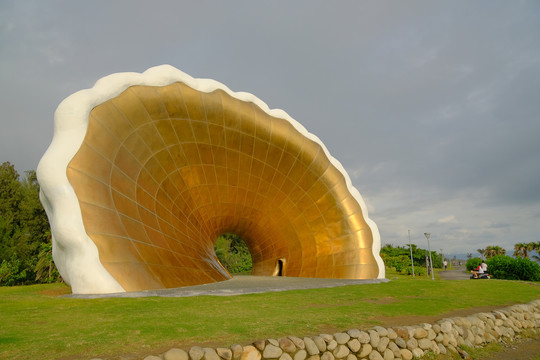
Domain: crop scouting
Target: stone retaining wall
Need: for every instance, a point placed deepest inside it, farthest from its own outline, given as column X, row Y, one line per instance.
column 378, row 343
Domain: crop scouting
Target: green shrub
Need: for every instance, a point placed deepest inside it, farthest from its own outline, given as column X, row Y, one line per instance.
column 11, row 272
column 233, row 254
column 398, row 262
column 418, row 270
column 506, row 267
column 473, row 263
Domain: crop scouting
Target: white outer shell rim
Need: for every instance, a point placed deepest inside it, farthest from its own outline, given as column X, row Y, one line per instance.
column 75, row 254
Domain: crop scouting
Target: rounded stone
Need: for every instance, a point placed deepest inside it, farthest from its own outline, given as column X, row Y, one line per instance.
column 420, row 333
column 400, row 342
column 273, row 342
column 210, row 354
column 406, row 354
column 196, row 353
column 424, row 344
column 354, row 333
column 442, row 349
column 311, row 347
column 237, row 351
column 176, row 354
column 300, row 355
column 351, row 357
column 435, row 348
column 382, row 331
column 341, row 351
column 412, row 343
column 478, row 340
column 388, row 354
column 395, row 349
column 321, row 344
column 383, row 344
column 287, row 345
column 392, row 335
column 366, row 350
column 374, row 338
column 375, row 355
column 331, row 345
column 250, row 353
column 272, row 352
column 259, row 344
column 402, row 333
column 418, row 352
column 327, row 337
column 327, row 355
column 354, row 345
column 224, row 353
column 299, row 343
column 285, row 356
column 152, row 357
column 341, row 338
column 363, row 337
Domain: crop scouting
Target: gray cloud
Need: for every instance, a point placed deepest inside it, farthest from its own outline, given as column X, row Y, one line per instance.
column 431, row 107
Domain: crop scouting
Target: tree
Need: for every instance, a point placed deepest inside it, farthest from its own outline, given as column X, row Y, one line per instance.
column 24, row 226
column 522, row 249
column 398, row 257
column 45, row 270
column 233, row 253
column 10, row 188
column 492, row 251
column 481, row 252
column 536, row 248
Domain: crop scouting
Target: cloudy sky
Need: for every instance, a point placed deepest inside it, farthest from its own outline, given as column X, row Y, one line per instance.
column 433, row 108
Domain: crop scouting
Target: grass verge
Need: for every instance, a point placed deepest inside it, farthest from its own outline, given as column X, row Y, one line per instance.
column 36, row 323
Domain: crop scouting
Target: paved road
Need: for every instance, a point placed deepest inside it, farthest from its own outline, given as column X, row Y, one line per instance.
column 244, row 284
column 247, row 284
column 458, row 273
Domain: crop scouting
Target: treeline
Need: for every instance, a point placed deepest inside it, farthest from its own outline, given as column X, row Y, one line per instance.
column 25, row 238
column 399, row 257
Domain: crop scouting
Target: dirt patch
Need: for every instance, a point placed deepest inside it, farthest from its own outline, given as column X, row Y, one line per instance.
column 384, row 300
column 524, row 349
column 392, row 321
column 55, row 292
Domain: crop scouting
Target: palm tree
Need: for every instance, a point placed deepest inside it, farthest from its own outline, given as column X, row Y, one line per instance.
column 536, row 247
column 482, row 252
column 522, row 249
column 492, row 251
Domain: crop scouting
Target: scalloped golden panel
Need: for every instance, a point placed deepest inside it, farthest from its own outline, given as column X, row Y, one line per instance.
column 163, row 171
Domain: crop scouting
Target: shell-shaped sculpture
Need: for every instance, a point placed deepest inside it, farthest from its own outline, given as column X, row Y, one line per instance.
column 145, row 171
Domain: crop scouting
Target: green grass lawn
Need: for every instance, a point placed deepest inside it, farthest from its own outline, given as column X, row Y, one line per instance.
column 37, row 324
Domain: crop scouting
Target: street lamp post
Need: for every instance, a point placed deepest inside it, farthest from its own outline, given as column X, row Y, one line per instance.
column 428, row 235
column 442, row 258
column 427, row 264
column 410, row 248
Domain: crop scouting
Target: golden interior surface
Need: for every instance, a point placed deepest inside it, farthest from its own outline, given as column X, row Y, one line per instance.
column 163, row 171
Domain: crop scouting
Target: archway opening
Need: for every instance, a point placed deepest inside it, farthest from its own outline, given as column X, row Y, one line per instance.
column 280, row 267
column 233, row 253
